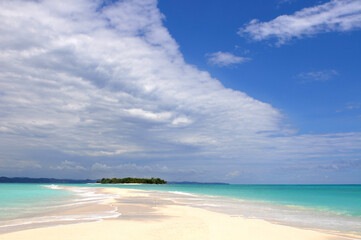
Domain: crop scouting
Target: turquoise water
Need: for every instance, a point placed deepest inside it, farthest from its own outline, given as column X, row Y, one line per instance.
column 340, row 199
column 329, row 207
column 21, row 200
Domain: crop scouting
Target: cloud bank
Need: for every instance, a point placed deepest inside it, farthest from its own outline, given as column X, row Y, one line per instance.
column 88, row 88
column 333, row 16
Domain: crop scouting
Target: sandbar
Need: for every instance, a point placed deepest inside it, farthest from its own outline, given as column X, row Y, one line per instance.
column 145, row 217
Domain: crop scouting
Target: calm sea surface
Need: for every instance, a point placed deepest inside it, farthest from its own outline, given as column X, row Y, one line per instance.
column 20, row 200
column 340, row 199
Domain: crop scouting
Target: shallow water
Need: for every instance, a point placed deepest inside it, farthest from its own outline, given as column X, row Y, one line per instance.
column 330, row 208
column 21, row 200
column 24, row 206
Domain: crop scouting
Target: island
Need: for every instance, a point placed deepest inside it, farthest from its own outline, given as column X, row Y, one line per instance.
column 42, row 180
column 132, row 180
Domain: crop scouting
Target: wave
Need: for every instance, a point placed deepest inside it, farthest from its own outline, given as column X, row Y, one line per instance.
column 183, row 193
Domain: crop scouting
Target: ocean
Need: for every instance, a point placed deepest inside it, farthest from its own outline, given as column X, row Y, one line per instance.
column 22, row 200
column 330, row 208
column 24, row 206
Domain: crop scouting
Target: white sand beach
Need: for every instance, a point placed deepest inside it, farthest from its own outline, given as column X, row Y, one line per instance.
column 145, row 217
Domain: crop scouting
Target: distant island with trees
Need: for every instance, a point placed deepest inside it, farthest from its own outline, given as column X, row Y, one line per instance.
column 42, row 180
column 132, row 180
column 84, row 181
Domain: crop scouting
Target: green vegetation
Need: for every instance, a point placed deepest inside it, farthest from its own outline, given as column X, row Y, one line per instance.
column 132, row 180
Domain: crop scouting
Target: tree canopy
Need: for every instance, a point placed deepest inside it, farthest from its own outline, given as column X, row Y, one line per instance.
column 132, row 180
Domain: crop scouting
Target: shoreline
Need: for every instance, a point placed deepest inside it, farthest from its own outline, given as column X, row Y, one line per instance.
column 141, row 208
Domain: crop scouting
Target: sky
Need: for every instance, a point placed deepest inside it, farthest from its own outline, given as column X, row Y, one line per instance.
column 249, row 92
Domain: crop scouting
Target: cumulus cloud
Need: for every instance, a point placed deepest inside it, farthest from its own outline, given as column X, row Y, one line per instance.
column 103, row 84
column 333, row 16
column 225, row 59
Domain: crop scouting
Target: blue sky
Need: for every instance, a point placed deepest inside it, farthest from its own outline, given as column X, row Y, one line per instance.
column 235, row 91
column 280, row 75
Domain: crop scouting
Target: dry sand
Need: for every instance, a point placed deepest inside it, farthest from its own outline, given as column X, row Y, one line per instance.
column 144, row 217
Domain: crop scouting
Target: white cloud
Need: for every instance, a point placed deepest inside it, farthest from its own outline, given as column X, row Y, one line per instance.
column 103, row 84
column 233, row 174
column 137, row 112
column 353, row 105
column 317, row 76
column 68, row 165
column 286, row 1
column 127, row 167
column 181, row 121
column 18, row 165
column 131, row 169
column 350, row 106
column 111, row 81
column 225, row 59
column 334, row 16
